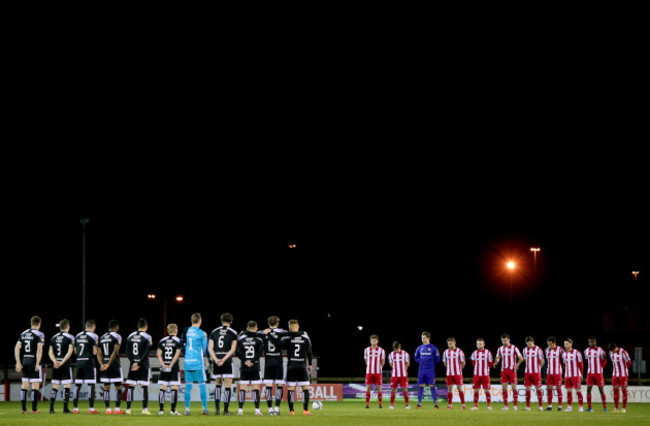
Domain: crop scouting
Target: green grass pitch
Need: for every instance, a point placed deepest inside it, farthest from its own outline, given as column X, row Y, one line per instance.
column 339, row 413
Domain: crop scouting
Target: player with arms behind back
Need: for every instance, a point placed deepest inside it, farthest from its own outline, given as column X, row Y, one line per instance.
column 375, row 358
column 61, row 350
column 512, row 359
column 169, row 351
column 534, row 358
column 86, row 349
column 111, row 370
column 573, row 366
column 454, row 360
column 30, row 344
column 222, row 347
column 138, row 346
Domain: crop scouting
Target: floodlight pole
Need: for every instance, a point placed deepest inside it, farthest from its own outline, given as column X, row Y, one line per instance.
column 84, row 222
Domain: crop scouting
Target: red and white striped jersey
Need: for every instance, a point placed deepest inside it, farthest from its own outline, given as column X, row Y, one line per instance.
column 374, row 357
column 482, row 362
column 554, row 360
column 453, row 359
column 594, row 358
column 509, row 356
column 620, row 361
column 532, row 356
column 399, row 360
column 572, row 363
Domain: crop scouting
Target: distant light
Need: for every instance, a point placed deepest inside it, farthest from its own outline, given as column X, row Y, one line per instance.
column 179, row 298
column 510, row 265
column 535, row 249
column 292, row 246
column 635, row 273
column 151, row 296
column 360, row 327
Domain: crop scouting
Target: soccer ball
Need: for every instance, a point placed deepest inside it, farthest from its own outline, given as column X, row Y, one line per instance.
column 317, row 405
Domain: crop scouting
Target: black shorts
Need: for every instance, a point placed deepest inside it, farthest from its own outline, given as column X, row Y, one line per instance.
column 140, row 377
column 86, row 373
column 30, row 373
column 172, row 378
column 273, row 371
column 250, row 377
column 62, row 375
column 112, row 375
column 224, row 372
column 297, row 375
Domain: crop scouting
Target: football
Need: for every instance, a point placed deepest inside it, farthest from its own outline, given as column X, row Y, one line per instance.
column 317, row 405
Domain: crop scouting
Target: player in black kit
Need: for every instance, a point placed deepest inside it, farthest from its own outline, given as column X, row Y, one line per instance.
column 110, row 371
column 249, row 350
column 138, row 346
column 169, row 351
column 61, row 350
column 299, row 355
column 30, row 343
column 86, row 349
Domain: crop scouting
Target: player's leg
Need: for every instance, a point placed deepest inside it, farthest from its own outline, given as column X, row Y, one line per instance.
column 515, row 394
column 461, row 392
column 119, row 389
column 504, row 390
column 616, row 391
column 189, row 381
column 601, row 389
column 589, row 386
column 175, row 389
column 217, row 394
column 540, row 397
column 53, row 393
column 624, row 393
column 291, row 389
column 203, row 392
column 161, row 397
column 227, row 393
column 434, row 391
column 241, row 396
column 256, row 391
column 66, row 396
column 368, row 389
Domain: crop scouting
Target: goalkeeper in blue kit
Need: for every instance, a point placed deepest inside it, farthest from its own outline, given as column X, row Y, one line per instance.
column 196, row 347
column 427, row 356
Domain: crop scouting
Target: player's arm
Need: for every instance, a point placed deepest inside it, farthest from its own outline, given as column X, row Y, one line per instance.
column 233, row 349
column 417, row 355
column 175, row 359
column 520, row 359
column 19, row 365
column 211, row 352
column 603, row 359
column 309, row 357
column 68, row 355
column 50, row 353
column 160, row 358
column 383, row 360
column 115, row 355
column 100, row 357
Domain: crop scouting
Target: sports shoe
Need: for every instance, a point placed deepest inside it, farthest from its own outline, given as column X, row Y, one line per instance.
column 559, row 408
column 418, row 407
column 174, row 413
column 128, row 411
column 240, row 412
column 306, row 413
column 449, row 407
column 514, row 408
column 436, row 407
column 489, row 407
column 463, row 407
column 391, row 407
column 67, row 412
column 227, row 413
column 23, row 412
column 616, row 410
column 291, row 413
column 146, row 413
column 109, row 411
column 604, row 410
column 258, row 413
column 52, row 412
column 75, row 411
column 474, row 408
column 549, row 408
column 187, row 411
column 568, row 409
column 408, row 407
column 93, row 411
column 505, row 408
column 623, row 410
column 541, row 408
column 589, row 410
column 118, row 411
column 35, row 412
column 527, row 409
column 367, row 405
column 161, row 413
column 580, row 410
column 205, row 413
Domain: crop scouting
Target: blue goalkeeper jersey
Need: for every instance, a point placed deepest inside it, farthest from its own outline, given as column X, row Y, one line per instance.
column 196, row 347
column 427, row 356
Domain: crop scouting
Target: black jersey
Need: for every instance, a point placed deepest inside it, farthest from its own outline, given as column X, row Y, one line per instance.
column 60, row 344
column 84, row 343
column 272, row 351
column 138, row 346
column 250, row 348
column 168, row 346
column 107, row 343
column 30, row 339
column 298, row 348
column 223, row 337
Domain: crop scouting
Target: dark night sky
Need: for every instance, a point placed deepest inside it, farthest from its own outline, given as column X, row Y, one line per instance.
column 404, row 192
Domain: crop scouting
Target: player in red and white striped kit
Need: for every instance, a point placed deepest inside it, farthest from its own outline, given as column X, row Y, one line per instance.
column 534, row 358
column 375, row 359
column 596, row 359
column 512, row 359
column 621, row 362
column 554, row 372
column 482, row 361
column 573, row 366
column 399, row 361
column 454, row 360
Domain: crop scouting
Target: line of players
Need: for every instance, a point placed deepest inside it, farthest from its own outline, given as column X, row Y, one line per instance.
column 221, row 346
column 559, row 359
